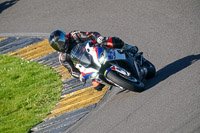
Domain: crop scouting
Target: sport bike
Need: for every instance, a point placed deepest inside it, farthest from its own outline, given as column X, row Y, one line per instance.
column 112, row 66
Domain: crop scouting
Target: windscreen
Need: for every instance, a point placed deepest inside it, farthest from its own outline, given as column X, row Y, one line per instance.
column 80, row 56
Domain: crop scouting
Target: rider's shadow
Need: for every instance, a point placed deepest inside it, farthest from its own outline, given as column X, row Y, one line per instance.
column 171, row 69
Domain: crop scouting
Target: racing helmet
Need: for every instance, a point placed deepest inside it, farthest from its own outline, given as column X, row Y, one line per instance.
column 59, row 41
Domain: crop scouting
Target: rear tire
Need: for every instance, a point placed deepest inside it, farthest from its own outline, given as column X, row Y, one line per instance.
column 151, row 70
column 125, row 83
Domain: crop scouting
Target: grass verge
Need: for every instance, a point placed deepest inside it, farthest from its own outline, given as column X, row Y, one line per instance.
column 28, row 92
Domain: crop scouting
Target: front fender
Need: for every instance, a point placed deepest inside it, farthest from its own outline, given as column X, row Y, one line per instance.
column 117, row 69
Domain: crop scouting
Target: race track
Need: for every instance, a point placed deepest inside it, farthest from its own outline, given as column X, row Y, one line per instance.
column 168, row 32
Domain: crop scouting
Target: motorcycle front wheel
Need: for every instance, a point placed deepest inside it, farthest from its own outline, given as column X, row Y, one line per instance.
column 129, row 83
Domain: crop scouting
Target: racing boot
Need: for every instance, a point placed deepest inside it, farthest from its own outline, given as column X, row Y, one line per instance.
column 131, row 49
column 97, row 86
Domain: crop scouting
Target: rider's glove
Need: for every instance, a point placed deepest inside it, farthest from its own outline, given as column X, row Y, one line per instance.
column 129, row 48
column 133, row 49
column 100, row 39
column 81, row 78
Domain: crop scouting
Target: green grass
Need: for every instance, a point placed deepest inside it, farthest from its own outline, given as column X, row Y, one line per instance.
column 28, row 92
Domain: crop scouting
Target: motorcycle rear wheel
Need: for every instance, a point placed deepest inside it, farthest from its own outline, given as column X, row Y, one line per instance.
column 151, row 70
column 137, row 86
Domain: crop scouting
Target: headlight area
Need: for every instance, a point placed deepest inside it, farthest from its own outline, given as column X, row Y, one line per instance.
column 94, row 75
column 102, row 58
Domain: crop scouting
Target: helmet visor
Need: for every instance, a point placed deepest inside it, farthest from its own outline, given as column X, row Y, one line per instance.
column 57, row 45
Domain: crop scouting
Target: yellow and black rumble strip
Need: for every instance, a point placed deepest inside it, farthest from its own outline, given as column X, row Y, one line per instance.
column 76, row 100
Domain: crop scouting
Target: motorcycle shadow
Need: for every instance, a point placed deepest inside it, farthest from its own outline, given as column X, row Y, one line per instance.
column 171, row 69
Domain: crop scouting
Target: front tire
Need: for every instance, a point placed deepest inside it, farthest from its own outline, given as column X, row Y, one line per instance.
column 136, row 85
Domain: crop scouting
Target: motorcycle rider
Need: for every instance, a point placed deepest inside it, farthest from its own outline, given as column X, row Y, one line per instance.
column 64, row 43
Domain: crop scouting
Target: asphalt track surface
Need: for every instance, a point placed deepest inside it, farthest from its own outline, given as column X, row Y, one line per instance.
column 168, row 32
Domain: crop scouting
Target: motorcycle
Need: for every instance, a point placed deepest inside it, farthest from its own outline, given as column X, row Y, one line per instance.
column 110, row 66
